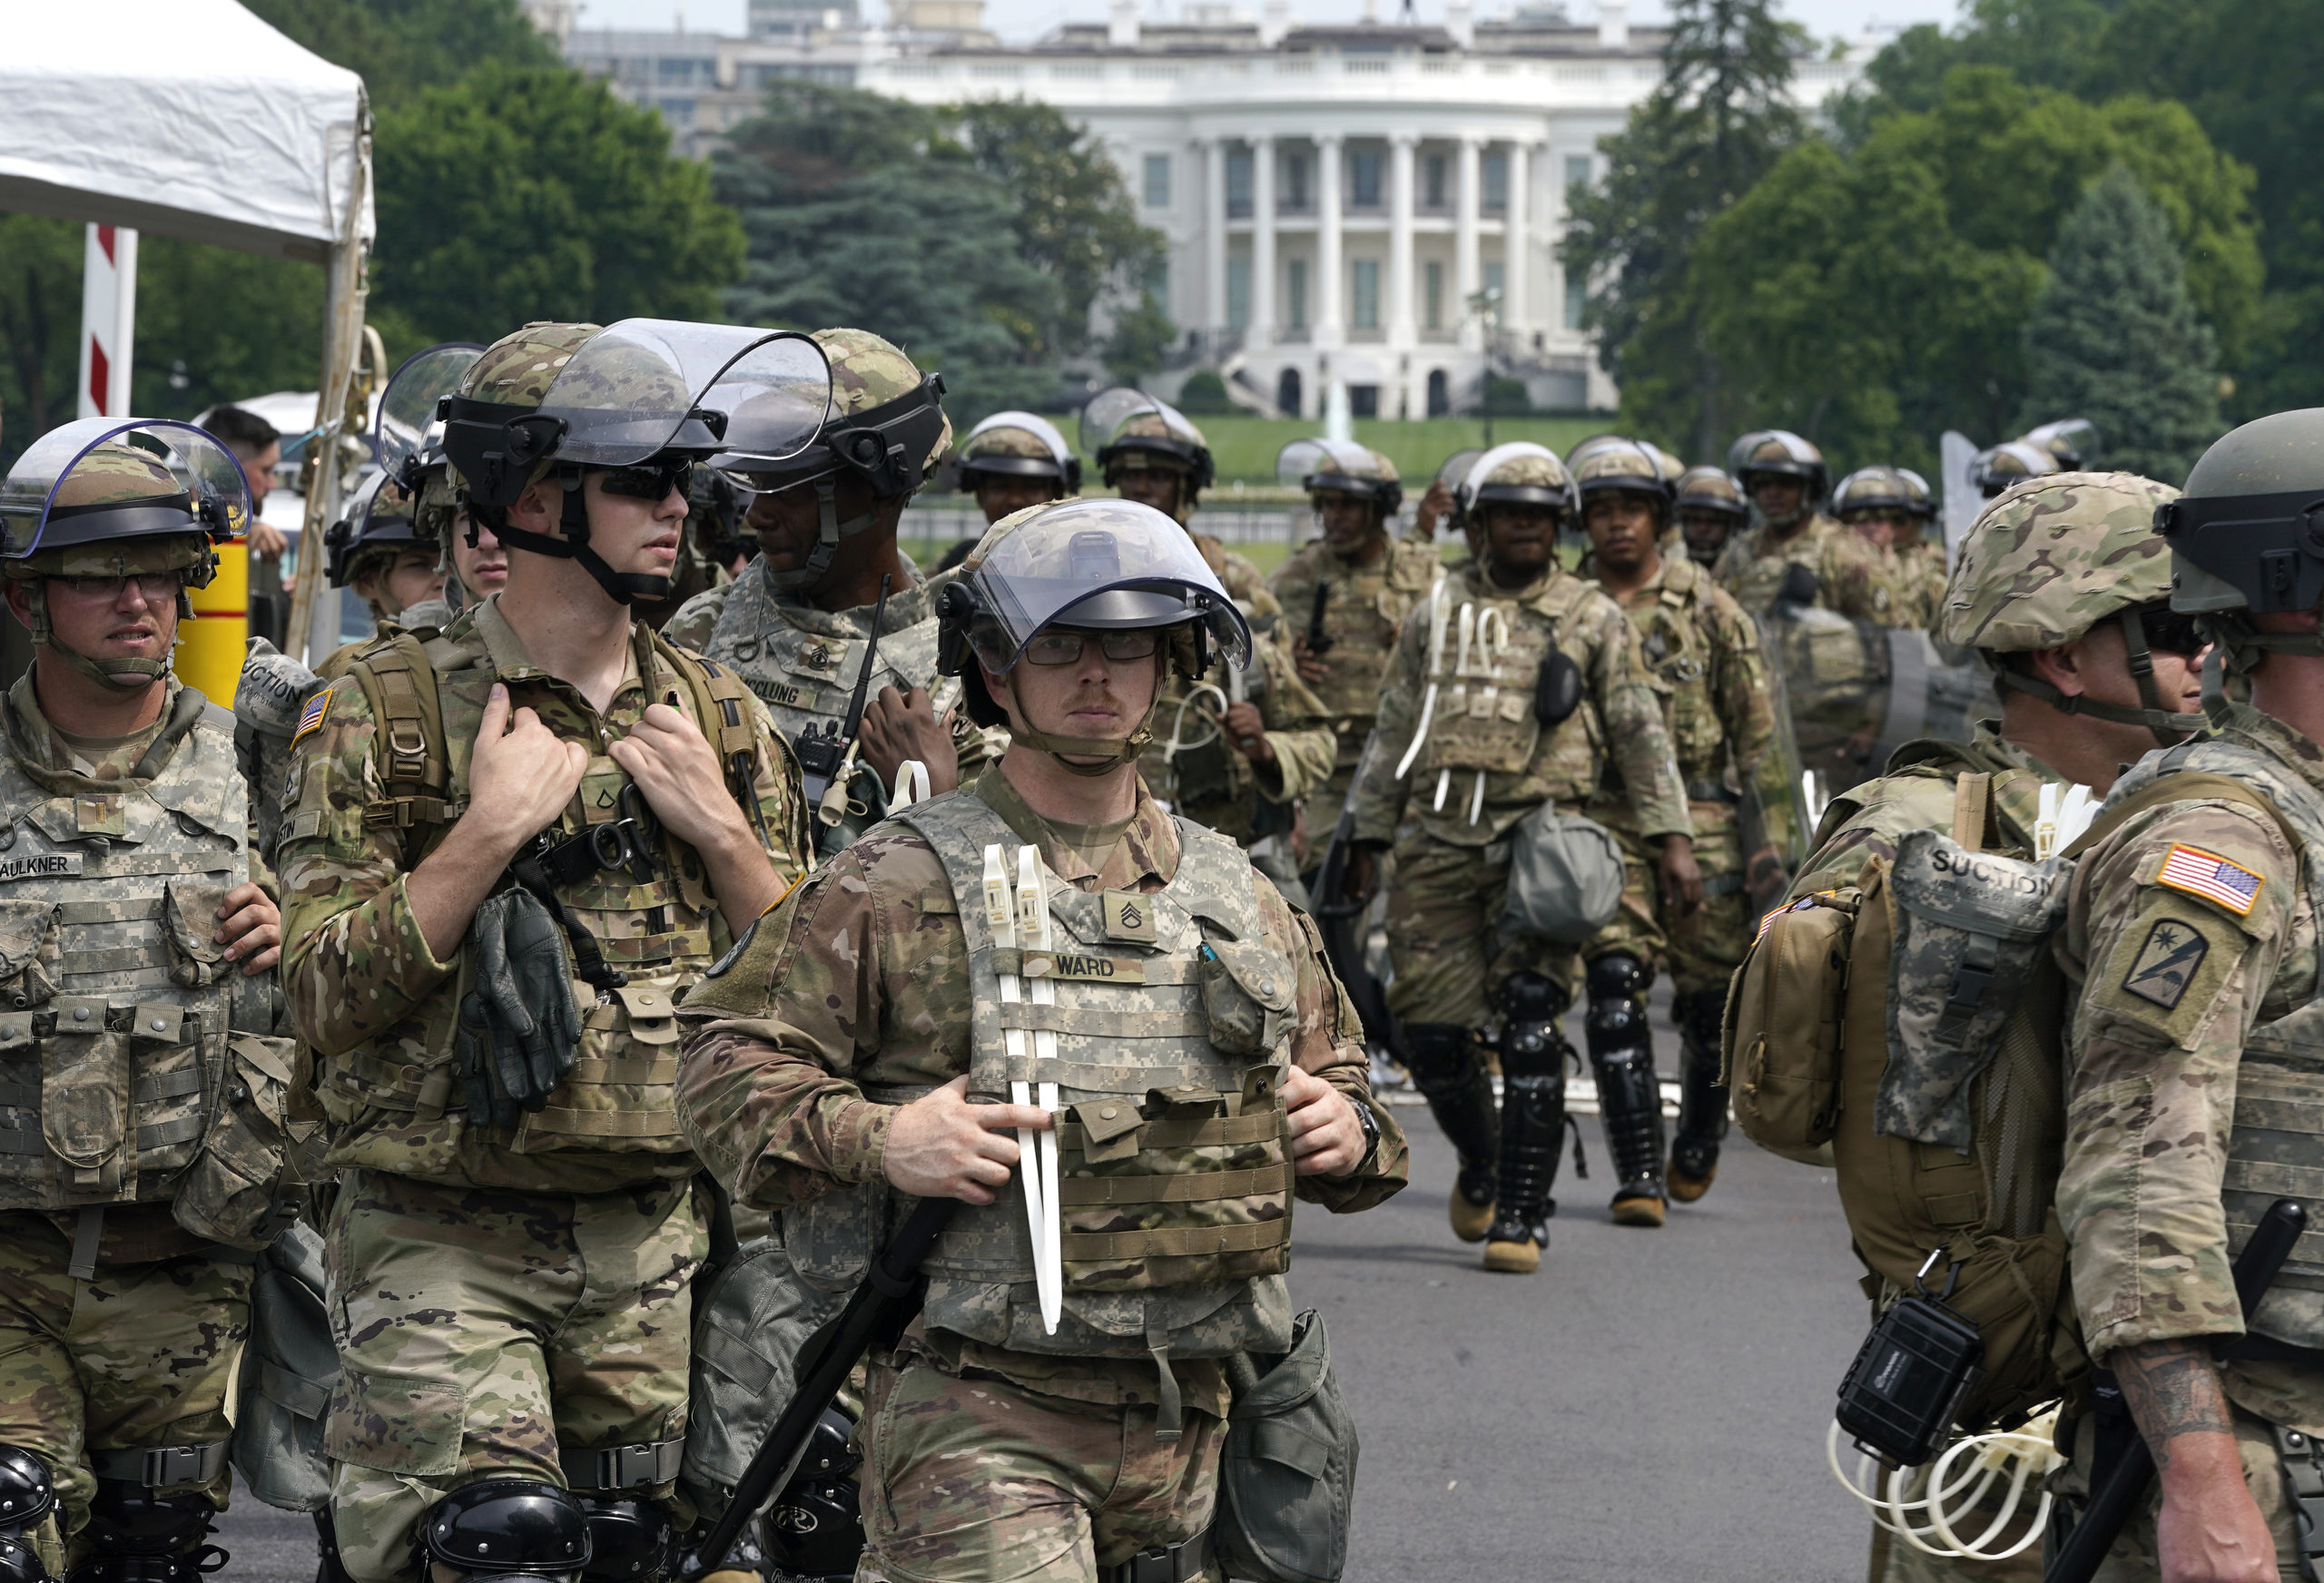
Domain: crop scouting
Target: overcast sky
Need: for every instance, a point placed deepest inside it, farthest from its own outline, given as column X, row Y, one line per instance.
column 1025, row 19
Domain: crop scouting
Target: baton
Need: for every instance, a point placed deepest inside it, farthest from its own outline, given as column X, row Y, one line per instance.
column 2119, row 1493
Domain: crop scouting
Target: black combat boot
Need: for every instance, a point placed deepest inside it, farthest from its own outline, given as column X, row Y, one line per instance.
column 1533, row 1057
column 1629, row 1102
column 1702, row 1102
column 1442, row 1059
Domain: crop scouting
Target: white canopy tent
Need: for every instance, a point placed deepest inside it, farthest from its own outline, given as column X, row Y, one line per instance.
column 193, row 118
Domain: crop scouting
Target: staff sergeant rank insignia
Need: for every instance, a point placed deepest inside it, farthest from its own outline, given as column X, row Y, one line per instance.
column 2211, row 877
column 2166, row 964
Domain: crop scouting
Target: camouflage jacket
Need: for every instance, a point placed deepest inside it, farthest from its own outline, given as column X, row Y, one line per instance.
column 1754, row 563
column 1363, row 613
column 1702, row 654
column 859, row 983
column 1916, row 793
column 1240, row 578
column 1913, row 580
column 2191, row 941
column 1211, row 781
column 1485, row 725
column 379, row 1008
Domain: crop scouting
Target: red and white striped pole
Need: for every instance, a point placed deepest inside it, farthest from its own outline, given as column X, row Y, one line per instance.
column 108, row 320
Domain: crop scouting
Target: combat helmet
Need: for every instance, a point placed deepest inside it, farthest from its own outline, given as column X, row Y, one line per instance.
column 409, row 437
column 1883, row 488
column 1100, row 564
column 2074, row 441
column 1668, row 467
column 1341, row 467
column 1710, row 488
column 1126, row 430
column 2056, row 556
column 2246, row 538
column 101, row 497
column 1783, row 454
column 640, row 401
column 1623, row 466
column 1519, row 472
column 379, row 526
column 2009, row 464
column 1018, row 444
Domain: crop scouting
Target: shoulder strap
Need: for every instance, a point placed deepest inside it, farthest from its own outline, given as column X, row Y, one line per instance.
column 1974, row 824
column 399, row 685
column 2184, row 786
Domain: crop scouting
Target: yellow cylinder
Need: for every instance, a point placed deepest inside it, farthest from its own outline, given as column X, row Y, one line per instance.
column 210, row 646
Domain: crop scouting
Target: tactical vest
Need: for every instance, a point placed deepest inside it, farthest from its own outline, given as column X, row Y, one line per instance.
column 648, row 917
column 806, row 676
column 135, row 1061
column 1678, row 656
column 1484, row 675
column 1363, row 613
column 1174, row 1162
column 2278, row 1132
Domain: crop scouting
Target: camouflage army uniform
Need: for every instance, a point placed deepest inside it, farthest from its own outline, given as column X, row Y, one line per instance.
column 1847, row 571
column 1363, row 613
column 507, row 1302
column 1212, row 782
column 854, row 996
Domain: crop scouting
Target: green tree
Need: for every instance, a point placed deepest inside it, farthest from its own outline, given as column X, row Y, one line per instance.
column 2114, row 338
column 1203, row 395
column 524, row 193
column 1140, row 337
column 404, row 47
column 1075, row 222
column 40, row 319
column 1721, row 116
column 214, row 324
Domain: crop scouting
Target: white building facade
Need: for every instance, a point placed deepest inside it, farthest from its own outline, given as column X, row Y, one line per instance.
column 1376, row 204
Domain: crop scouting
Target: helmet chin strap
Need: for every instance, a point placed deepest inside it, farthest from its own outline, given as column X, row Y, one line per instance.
column 829, row 531
column 128, row 674
column 1113, row 755
column 2167, row 728
column 621, row 587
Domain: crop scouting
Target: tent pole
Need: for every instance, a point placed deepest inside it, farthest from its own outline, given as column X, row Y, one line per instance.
column 314, row 624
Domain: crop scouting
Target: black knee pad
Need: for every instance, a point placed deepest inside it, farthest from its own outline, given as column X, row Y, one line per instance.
column 816, row 1527
column 1616, row 976
column 27, row 1492
column 142, row 1536
column 1531, row 1044
column 504, row 1528
column 630, row 1538
column 1437, row 1052
column 1700, row 1014
column 20, row 1563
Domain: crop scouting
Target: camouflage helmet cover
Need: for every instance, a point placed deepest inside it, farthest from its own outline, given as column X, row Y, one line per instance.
column 1619, row 466
column 2054, row 557
column 1125, row 428
column 1340, row 466
column 1783, row 454
column 1883, row 488
column 1518, row 472
column 101, row 481
column 1709, row 488
column 1017, row 444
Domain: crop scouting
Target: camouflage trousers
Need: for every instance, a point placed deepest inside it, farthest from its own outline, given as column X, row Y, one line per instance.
column 975, row 1479
column 142, row 1355
column 1449, row 961
column 1703, row 951
column 485, row 1331
column 2133, row 1559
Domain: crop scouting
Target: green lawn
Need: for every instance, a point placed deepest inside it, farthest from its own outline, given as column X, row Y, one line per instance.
column 1247, row 447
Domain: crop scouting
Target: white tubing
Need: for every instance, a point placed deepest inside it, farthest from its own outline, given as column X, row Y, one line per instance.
column 1948, row 1490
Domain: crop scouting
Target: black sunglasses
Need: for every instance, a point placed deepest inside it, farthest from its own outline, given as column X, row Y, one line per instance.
column 650, row 480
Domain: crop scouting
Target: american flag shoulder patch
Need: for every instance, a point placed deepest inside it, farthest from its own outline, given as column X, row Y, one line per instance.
column 2217, row 879
column 311, row 718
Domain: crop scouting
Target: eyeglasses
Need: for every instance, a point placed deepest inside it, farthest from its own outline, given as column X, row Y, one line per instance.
column 2174, row 632
column 1066, row 648
column 650, row 480
column 155, row 586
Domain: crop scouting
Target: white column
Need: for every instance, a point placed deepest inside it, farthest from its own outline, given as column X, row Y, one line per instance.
column 1468, row 278
column 108, row 320
column 1214, row 242
column 1331, row 328
column 1400, row 239
column 1262, row 242
column 1516, row 245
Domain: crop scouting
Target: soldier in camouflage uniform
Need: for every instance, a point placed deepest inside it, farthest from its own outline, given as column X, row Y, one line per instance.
column 794, row 626
column 1013, row 460
column 2057, row 585
column 2004, row 466
column 378, row 551
column 2191, row 1096
column 1703, row 657
column 1890, row 509
column 144, row 1087
column 1147, row 452
column 1710, row 508
column 1792, row 553
column 855, row 1050
column 1368, row 581
column 1516, row 685
column 491, row 998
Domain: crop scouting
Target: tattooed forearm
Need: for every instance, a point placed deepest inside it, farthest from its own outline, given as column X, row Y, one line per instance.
column 2172, row 1389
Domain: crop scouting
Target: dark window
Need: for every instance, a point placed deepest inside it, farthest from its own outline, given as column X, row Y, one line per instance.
column 1239, row 184
column 1364, row 178
column 1432, row 182
column 1286, row 393
column 1295, row 183
column 1364, row 400
column 1440, row 394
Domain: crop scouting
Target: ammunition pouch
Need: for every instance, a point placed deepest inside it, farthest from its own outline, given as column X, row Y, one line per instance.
column 1286, row 1480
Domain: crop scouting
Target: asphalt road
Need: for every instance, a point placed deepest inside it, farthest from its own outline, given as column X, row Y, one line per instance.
column 1650, row 1406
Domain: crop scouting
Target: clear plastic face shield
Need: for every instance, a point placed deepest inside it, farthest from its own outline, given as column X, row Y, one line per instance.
column 1100, row 566
column 65, row 489
column 1325, row 464
column 1109, row 410
column 1032, row 423
column 410, row 431
column 1490, row 462
column 2074, row 441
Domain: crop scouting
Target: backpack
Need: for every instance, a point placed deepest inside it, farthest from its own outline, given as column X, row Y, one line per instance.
column 1932, row 1069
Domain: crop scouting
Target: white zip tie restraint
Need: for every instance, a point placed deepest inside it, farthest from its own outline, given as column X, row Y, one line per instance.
column 1428, row 699
column 911, row 785
column 1000, row 912
column 1178, row 743
column 1946, row 1492
column 2066, row 811
column 1033, row 932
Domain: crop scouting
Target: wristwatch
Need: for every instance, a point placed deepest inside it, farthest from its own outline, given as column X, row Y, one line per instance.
column 1371, row 1126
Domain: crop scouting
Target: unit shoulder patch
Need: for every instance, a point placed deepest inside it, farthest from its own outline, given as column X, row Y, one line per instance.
column 2166, row 963
column 2220, row 881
